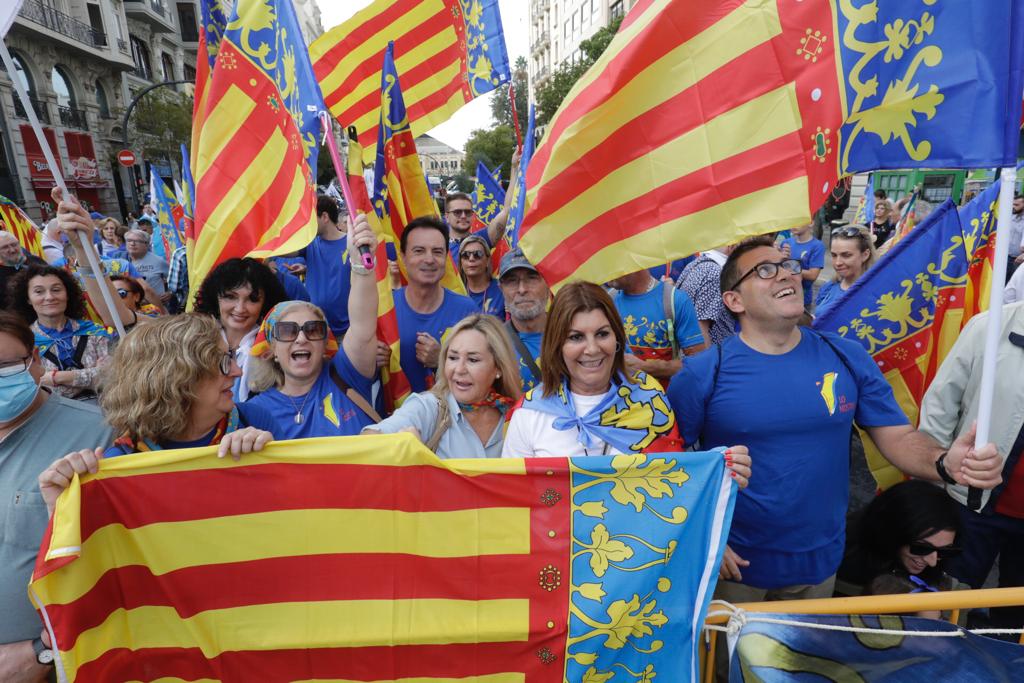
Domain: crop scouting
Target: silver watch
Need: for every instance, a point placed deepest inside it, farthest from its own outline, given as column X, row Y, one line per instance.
column 44, row 655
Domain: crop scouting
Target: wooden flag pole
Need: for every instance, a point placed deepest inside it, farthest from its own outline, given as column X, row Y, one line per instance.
column 986, row 393
column 515, row 117
column 87, row 247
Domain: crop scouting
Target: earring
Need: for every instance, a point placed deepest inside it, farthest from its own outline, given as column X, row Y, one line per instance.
column 618, row 347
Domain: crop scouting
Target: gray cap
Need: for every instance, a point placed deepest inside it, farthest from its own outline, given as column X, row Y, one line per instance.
column 512, row 260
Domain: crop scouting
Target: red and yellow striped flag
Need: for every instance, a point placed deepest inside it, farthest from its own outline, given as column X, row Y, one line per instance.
column 370, row 559
column 21, row 226
column 395, row 383
column 450, row 52
column 257, row 142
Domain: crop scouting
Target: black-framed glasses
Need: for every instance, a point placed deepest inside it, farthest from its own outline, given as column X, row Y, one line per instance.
column 315, row 330
column 461, row 213
column 848, row 231
column 226, row 362
column 923, row 548
column 122, row 293
column 769, row 270
column 13, row 367
column 473, row 255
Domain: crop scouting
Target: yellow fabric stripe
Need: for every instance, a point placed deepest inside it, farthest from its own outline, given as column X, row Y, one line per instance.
column 702, row 55
column 301, row 237
column 458, row 533
column 774, row 208
column 281, row 626
column 246, row 192
column 509, row 677
column 743, row 128
column 219, row 127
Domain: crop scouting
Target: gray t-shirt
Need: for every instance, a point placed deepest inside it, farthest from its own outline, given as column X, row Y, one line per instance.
column 58, row 427
column 154, row 270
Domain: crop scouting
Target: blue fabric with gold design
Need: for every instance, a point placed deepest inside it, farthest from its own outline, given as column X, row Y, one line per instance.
column 491, row 300
column 794, row 411
column 629, row 418
column 487, row 64
column 488, row 197
column 647, row 329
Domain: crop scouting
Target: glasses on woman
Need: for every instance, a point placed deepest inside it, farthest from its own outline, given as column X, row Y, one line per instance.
column 473, row 255
column 13, row 367
column 923, row 548
column 315, row 330
column 768, row 270
column 849, row 232
column 227, row 361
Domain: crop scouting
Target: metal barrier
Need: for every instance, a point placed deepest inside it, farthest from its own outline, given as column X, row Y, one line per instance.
column 954, row 601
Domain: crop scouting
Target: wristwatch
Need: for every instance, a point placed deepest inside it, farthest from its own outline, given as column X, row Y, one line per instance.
column 44, row 655
column 940, row 467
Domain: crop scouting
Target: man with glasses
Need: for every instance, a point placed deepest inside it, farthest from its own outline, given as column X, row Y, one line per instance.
column 36, row 427
column 458, row 214
column 151, row 267
column 12, row 258
column 791, row 396
column 526, row 300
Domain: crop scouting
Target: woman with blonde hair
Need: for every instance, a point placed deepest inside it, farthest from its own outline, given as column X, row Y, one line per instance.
column 463, row 415
column 853, row 252
column 112, row 238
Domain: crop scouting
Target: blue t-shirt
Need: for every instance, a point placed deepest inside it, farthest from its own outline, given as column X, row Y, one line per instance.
column 828, row 295
column 328, row 279
column 532, row 341
column 491, row 300
column 794, row 412
column 812, row 255
column 454, row 307
column 647, row 329
column 326, row 410
column 248, row 416
column 293, row 287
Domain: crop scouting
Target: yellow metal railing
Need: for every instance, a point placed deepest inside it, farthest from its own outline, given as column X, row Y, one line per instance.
column 953, row 601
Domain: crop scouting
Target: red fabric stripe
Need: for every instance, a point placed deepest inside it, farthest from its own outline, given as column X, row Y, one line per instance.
column 182, row 496
column 751, row 75
column 769, row 164
column 676, row 24
column 371, row 66
column 391, row 17
column 634, row 13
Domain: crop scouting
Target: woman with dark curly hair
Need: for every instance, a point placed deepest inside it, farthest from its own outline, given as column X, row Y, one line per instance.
column 72, row 349
column 239, row 293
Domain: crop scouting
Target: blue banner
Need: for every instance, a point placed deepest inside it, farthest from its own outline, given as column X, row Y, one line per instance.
column 518, row 208
column 488, row 197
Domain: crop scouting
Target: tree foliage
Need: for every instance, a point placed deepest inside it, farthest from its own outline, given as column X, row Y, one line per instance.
column 160, row 123
column 501, row 108
column 494, row 147
column 553, row 91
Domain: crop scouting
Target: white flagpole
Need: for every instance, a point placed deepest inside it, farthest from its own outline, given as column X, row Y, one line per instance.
column 86, row 245
column 1008, row 181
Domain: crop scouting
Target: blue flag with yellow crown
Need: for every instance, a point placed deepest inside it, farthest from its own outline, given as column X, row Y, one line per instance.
column 488, row 196
column 166, row 235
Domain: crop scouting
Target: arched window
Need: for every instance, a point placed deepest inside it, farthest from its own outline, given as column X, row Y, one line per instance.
column 140, row 55
column 24, row 75
column 62, row 87
column 168, row 66
column 101, row 100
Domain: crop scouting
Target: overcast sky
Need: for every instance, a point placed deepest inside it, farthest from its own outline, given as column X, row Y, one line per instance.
column 476, row 114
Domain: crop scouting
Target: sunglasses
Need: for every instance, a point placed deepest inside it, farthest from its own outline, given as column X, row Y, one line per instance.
column 768, row 270
column 461, row 213
column 922, row 548
column 475, row 255
column 315, row 330
column 849, row 231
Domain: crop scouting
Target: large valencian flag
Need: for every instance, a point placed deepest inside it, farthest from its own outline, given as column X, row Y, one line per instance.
column 706, row 121
column 369, row 559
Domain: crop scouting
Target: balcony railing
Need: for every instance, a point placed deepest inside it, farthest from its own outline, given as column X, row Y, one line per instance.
column 72, row 118
column 540, row 41
column 157, row 7
column 66, row 25
column 122, row 45
column 42, row 111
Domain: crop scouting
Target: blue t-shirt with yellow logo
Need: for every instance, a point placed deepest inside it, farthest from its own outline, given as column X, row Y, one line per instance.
column 454, row 307
column 812, row 255
column 647, row 328
column 325, row 410
column 795, row 412
column 532, row 341
column 490, row 301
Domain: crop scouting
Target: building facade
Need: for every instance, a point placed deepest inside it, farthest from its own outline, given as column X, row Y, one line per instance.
column 437, row 158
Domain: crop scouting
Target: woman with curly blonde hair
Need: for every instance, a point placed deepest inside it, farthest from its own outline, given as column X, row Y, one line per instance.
column 169, row 386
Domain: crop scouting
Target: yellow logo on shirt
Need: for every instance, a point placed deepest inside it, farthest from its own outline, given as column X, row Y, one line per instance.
column 329, row 410
column 828, row 391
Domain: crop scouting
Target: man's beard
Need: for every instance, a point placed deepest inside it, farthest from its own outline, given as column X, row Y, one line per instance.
column 527, row 314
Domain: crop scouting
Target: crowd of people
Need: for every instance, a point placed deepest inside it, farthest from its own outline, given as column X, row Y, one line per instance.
column 712, row 353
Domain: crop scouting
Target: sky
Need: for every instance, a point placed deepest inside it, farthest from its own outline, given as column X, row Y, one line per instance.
column 476, row 114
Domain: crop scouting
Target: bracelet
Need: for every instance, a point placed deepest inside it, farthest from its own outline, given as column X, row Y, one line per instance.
column 940, row 467
column 360, row 269
column 53, row 377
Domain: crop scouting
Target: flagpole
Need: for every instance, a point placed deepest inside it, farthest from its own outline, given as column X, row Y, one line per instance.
column 339, row 170
column 515, row 116
column 87, row 246
column 1007, row 180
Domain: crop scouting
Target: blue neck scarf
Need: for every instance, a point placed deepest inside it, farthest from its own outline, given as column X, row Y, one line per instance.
column 629, row 417
column 63, row 340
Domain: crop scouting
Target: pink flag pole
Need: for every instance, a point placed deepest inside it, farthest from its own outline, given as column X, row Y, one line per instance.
column 346, row 191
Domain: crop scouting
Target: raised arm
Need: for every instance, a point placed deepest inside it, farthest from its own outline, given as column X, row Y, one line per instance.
column 360, row 342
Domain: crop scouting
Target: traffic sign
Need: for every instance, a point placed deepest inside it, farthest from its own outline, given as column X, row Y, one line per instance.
column 126, row 157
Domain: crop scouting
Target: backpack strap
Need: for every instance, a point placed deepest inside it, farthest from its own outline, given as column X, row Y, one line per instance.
column 668, row 302
column 353, row 395
column 444, row 421
column 528, row 358
column 76, row 360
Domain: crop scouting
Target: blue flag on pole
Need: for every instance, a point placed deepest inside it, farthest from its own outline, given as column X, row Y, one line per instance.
column 488, row 196
column 518, row 209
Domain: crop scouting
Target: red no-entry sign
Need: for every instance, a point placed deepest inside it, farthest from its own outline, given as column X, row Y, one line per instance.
column 126, row 157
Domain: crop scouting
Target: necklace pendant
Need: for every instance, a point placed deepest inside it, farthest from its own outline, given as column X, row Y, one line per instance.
column 298, row 418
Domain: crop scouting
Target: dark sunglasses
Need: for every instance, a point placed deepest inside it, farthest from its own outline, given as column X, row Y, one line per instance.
column 848, row 232
column 922, row 548
column 461, row 212
column 474, row 255
column 768, row 270
column 315, row 330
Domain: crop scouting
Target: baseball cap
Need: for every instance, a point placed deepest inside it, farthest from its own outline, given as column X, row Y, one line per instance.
column 512, row 260
column 146, row 219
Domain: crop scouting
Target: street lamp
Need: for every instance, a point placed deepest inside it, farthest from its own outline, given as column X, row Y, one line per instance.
column 124, row 126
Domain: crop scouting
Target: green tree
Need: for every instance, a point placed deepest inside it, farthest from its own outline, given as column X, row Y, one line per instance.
column 160, row 124
column 494, row 147
column 501, row 108
column 553, row 91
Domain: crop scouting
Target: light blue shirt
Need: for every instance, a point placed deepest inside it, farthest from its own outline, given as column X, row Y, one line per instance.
column 458, row 441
